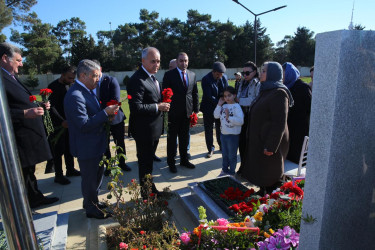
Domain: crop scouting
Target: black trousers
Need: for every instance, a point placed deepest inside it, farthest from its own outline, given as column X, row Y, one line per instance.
column 208, row 122
column 31, row 184
column 145, row 152
column 58, row 150
column 177, row 126
column 118, row 133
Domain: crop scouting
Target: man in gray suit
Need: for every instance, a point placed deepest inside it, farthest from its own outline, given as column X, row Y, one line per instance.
column 87, row 133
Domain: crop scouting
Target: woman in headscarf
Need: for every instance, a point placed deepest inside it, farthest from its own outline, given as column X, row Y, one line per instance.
column 267, row 130
column 299, row 114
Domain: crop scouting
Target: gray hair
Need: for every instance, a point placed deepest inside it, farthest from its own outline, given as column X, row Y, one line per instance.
column 9, row 50
column 87, row 66
column 147, row 50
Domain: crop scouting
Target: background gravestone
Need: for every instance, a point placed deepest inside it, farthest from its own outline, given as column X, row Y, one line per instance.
column 340, row 178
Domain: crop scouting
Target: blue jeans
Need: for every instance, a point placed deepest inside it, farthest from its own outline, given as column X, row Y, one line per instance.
column 229, row 146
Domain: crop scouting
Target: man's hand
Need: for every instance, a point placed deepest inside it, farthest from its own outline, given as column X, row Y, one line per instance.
column 64, row 124
column 47, row 105
column 163, row 106
column 111, row 110
column 33, row 112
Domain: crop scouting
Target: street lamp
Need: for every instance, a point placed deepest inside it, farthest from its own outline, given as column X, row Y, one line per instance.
column 113, row 45
column 256, row 26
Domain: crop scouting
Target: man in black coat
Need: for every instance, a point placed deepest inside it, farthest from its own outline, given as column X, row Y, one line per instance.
column 146, row 111
column 213, row 85
column 109, row 89
column 60, row 146
column 184, row 103
column 27, row 123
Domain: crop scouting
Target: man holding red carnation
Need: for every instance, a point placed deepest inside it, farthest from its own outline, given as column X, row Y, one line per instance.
column 146, row 112
column 184, row 102
column 87, row 133
column 28, row 127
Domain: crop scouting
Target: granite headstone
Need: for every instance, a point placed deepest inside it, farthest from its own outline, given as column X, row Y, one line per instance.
column 340, row 178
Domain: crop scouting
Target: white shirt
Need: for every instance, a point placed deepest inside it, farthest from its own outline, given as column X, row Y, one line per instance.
column 232, row 125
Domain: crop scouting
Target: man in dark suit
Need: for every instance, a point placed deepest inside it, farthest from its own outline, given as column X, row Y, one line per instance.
column 213, row 85
column 184, row 103
column 87, row 133
column 27, row 123
column 146, row 110
column 60, row 146
column 109, row 89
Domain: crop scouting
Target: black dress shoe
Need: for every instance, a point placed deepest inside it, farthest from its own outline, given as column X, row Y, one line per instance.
column 172, row 168
column 156, row 158
column 99, row 216
column 187, row 164
column 61, row 180
column 43, row 201
column 125, row 167
column 188, row 156
column 101, row 205
column 73, row 172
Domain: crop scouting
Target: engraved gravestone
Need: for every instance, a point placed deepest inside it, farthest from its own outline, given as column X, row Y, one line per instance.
column 340, row 178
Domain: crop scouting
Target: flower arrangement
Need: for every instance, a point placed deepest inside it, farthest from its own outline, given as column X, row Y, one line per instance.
column 286, row 238
column 219, row 234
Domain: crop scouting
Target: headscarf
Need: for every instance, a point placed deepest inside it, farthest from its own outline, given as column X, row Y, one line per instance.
column 274, row 79
column 291, row 74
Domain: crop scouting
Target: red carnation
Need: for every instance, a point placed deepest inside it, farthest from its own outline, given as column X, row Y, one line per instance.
column 32, row 98
column 45, row 92
column 113, row 102
column 142, row 232
column 193, row 119
column 129, row 97
column 152, row 195
column 167, row 95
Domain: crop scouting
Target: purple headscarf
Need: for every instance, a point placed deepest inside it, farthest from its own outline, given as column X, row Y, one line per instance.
column 291, row 74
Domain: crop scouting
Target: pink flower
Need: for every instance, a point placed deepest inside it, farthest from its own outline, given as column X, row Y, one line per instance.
column 185, row 238
column 222, row 222
column 123, row 245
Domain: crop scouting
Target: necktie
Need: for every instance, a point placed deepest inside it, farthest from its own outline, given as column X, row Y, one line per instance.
column 184, row 79
column 156, row 83
column 93, row 94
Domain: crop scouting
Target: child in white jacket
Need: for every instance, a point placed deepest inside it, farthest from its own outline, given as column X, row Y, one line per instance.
column 231, row 120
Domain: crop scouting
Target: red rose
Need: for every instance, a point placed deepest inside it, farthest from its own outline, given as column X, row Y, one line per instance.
column 129, row 97
column 167, row 95
column 32, row 98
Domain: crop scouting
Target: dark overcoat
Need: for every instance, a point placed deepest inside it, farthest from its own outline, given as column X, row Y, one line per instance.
column 298, row 118
column 267, row 129
column 30, row 134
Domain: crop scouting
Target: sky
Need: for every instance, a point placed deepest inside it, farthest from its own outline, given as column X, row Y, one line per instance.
column 316, row 15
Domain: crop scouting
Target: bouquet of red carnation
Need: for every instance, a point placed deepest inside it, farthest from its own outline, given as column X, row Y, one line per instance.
column 45, row 93
column 193, row 120
column 167, row 95
column 32, row 98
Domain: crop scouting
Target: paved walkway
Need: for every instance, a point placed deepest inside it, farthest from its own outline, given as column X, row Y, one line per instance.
column 82, row 232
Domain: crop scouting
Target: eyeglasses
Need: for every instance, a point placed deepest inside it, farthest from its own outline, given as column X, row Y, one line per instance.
column 247, row 72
